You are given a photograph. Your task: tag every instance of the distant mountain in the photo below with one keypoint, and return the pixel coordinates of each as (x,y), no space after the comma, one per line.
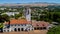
(30,4)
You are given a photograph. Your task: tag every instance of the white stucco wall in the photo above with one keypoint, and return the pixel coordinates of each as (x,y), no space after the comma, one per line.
(12,27)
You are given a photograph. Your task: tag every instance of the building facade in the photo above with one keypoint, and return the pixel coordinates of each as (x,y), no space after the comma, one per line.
(18,25)
(40,25)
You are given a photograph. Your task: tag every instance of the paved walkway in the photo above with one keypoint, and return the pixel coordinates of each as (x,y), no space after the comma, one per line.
(30,32)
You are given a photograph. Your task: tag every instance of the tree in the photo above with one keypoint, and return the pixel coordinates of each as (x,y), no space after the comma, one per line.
(17,16)
(54,30)
(2,19)
(11,16)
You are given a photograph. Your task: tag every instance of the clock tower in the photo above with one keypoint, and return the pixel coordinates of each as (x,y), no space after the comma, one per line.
(27,13)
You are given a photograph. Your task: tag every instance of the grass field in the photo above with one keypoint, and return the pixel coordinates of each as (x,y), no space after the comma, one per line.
(30,32)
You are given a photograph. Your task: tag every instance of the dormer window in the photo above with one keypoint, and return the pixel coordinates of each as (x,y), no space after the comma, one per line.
(37,25)
(43,25)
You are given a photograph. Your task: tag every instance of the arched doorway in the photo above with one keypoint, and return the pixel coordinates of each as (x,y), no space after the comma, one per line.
(15,29)
(44,27)
(41,28)
(1,30)
(36,28)
(26,29)
(18,29)
(22,29)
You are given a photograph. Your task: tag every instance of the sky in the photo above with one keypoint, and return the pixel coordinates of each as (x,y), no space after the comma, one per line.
(28,1)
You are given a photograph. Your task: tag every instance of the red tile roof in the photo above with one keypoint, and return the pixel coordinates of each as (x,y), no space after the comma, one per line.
(24,21)
(40,24)
(19,21)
